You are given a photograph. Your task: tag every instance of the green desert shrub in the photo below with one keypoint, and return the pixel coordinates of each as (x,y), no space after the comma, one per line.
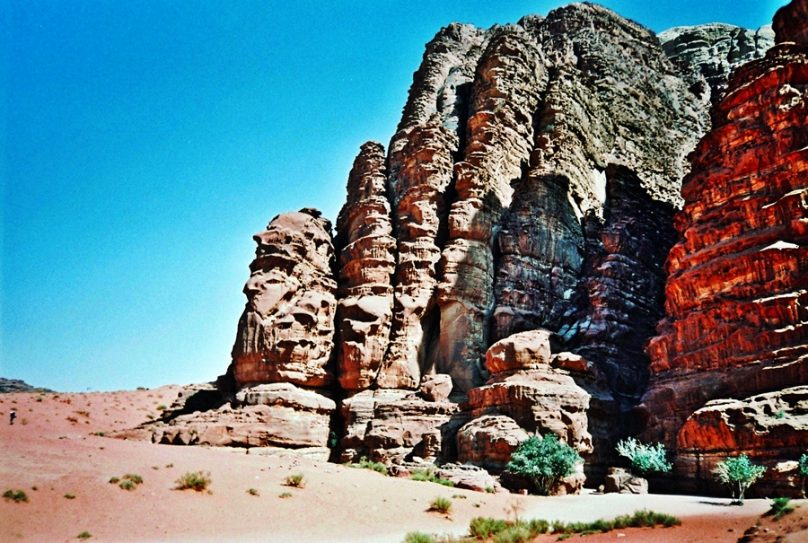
(429,476)
(484,529)
(644,458)
(364,463)
(16,496)
(780,507)
(739,473)
(441,505)
(418,537)
(295,480)
(545,461)
(803,466)
(285,495)
(70,496)
(252,491)
(84,535)
(195,480)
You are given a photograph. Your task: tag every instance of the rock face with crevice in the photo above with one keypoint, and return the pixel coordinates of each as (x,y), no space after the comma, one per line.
(366,265)
(736,320)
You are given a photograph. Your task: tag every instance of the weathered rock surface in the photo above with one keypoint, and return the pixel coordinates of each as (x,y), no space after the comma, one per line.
(791,23)
(270,415)
(736,321)
(737,294)
(286,333)
(489,441)
(420,181)
(771,428)
(366,266)
(709,53)
(391,426)
(540,398)
(623,482)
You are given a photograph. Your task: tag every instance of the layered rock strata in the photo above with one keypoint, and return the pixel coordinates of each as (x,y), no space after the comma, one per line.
(420,182)
(772,428)
(530,386)
(737,293)
(366,266)
(286,333)
(709,53)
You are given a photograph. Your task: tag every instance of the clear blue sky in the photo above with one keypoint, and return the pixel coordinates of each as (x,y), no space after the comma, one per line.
(145,142)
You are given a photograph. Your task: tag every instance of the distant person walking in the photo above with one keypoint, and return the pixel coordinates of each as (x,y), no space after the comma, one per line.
(12,416)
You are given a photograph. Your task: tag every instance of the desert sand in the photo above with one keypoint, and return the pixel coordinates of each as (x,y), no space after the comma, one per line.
(59,446)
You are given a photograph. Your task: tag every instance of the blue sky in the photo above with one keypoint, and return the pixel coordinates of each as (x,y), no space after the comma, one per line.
(144,142)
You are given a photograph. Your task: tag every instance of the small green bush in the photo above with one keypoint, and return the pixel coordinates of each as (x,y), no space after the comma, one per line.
(374,466)
(486,527)
(295,480)
(84,535)
(195,480)
(441,505)
(285,495)
(780,507)
(137,479)
(114,480)
(126,484)
(739,474)
(429,476)
(544,460)
(645,459)
(418,537)
(804,471)
(514,534)
(15,496)
(70,496)
(252,491)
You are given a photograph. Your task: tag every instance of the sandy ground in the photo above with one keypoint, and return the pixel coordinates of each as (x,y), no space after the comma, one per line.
(55,450)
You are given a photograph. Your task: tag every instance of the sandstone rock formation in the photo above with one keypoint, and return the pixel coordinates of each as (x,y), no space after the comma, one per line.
(271,415)
(500,270)
(286,333)
(526,389)
(770,427)
(396,425)
(366,265)
(709,53)
(736,320)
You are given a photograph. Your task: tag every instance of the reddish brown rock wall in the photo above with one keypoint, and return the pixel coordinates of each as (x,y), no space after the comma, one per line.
(366,265)
(286,333)
(737,291)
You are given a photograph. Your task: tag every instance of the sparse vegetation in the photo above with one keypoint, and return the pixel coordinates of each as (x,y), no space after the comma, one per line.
(502,531)
(70,496)
(161,407)
(803,467)
(137,479)
(114,480)
(429,476)
(285,495)
(369,464)
(84,535)
(252,492)
(780,507)
(418,537)
(739,474)
(545,461)
(295,480)
(645,458)
(441,505)
(195,480)
(16,496)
